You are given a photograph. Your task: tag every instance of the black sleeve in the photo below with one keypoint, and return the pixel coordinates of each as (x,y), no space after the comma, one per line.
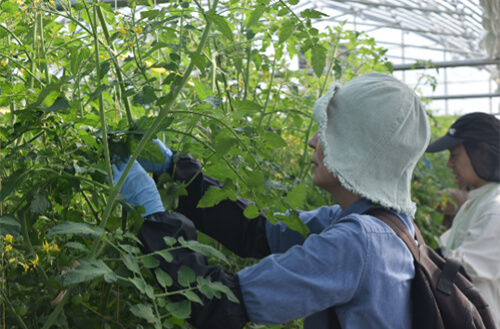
(215,313)
(225,221)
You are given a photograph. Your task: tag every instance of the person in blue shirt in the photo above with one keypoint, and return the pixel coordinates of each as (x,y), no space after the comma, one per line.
(352,270)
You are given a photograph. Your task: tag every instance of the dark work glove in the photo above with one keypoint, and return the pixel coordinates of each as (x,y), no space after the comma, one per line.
(215,313)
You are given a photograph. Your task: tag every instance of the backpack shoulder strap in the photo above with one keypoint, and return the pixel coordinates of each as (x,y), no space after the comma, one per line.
(400,229)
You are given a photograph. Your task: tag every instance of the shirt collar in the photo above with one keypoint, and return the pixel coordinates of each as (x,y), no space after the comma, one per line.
(478,192)
(360,206)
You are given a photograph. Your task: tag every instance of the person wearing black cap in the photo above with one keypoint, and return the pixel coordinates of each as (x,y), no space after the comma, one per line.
(474,145)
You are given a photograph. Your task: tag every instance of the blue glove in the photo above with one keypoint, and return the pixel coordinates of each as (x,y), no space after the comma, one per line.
(156,167)
(138,189)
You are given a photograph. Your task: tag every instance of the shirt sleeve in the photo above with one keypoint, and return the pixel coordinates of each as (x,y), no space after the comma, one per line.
(481,248)
(280,237)
(298,283)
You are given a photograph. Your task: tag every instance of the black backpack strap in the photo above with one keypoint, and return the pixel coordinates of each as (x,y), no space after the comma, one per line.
(450,271)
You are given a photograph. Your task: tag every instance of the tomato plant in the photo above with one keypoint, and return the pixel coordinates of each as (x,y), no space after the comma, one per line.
(82,84)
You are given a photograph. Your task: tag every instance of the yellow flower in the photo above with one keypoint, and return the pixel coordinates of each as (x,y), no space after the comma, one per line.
(12,260)
(20,2)
(8,247)
(131,43)
(240,82)
(158,69)
(117,13)
(9,238)
(4,62)
(52,2)
(55,248)
(45,246)
(35,262)
(121,30)
(26,267)
(278,175)
(138,29)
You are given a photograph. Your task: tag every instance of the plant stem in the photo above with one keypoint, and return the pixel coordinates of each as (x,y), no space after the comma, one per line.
(9,304)
(42,53)
(118,72)
(164,110)
(102,114)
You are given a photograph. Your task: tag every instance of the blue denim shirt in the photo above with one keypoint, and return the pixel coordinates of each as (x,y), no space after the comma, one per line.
(351,261)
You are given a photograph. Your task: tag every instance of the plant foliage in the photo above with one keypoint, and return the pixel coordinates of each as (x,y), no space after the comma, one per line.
(83,84)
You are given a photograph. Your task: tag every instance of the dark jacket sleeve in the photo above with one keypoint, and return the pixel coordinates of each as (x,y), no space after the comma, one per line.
(225,222)
(215,313)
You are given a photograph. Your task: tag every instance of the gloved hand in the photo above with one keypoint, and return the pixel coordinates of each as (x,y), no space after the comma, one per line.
(138,189)
(155,167)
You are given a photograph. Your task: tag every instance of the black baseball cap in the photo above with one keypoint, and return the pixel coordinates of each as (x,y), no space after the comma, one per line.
(472,127)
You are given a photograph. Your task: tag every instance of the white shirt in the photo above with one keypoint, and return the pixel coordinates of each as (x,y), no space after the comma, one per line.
(476,233)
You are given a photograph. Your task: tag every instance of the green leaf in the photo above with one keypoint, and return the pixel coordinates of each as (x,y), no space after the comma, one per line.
(294,222)
(201,90)
(252,211)
(60,104)
(131,263)
(143,286)
(99,90)
(293,2)
(311,13)
(169,241)
(274,140)
(143,311)
(12,182)
(150,14)
(164,279)
(156,46)
(180,310)
(318,60)
(215,102)
(150,261)
(185,276)
(256,14)
(9,225)
(105,66)
(39,202)
(220,24)
(165,254)
(77,229)
(88,270)
(203,249)
(45,92)
(286,30)
(77,246)
(297,197)
(9,7)
(246,105)
(198,60)
(145,96)
(106,6)
(223,144)
(213,289)
(215,195)
(190,295)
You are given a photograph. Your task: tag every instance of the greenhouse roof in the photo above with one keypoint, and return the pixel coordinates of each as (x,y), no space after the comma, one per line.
(456,25)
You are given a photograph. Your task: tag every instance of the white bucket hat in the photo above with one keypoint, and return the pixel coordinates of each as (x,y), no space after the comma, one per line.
(373,130)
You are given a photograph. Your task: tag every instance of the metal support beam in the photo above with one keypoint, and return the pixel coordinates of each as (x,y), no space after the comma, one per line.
(445,97)
(467,62)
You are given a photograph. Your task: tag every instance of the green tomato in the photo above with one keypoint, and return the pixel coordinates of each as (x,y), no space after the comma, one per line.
(21,310)
(77,299)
